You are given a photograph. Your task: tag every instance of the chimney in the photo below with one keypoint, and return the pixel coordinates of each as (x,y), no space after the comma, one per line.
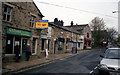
(62,22)
(71,23)
(55,20)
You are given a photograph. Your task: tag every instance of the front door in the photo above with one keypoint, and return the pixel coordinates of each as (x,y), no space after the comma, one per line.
(24,43)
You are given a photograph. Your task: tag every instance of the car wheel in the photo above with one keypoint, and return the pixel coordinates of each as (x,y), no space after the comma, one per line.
(103,73)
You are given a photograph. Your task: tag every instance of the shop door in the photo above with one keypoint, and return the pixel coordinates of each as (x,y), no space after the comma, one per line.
(49,46)
(24,43)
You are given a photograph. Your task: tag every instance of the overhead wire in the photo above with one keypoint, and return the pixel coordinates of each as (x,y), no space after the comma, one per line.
(77,9)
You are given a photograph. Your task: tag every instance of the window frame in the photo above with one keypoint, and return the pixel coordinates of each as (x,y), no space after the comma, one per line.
(32,21)
(7,13)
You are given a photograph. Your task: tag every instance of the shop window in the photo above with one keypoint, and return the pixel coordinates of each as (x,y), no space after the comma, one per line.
(32,21)
(7,13)
(69,45)
(9,44)
(17,41)
(34,46)
(60,45)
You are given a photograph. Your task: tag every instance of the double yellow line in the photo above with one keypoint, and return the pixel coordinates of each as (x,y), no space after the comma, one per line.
(41,64)
(35,67)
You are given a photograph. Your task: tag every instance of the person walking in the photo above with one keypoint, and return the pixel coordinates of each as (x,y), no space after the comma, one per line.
(17,52)
(28,52)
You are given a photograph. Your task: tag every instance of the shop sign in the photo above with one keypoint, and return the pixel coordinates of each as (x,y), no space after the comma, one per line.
(43,36)
(42,24)
(18,32)
(49,32)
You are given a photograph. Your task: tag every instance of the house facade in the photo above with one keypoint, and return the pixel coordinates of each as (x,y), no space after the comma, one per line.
(62,39)
(86,35)
(18,26)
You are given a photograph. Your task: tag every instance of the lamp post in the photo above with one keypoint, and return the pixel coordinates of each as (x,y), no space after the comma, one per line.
(118,18)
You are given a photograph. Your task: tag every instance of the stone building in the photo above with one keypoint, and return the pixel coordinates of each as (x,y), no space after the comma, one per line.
(18,26)
(62,39)
(86,35)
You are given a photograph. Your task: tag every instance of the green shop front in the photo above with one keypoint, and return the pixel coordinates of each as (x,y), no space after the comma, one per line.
(17,36)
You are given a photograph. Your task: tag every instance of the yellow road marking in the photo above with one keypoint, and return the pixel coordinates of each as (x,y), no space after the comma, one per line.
(44,64)
(34,67)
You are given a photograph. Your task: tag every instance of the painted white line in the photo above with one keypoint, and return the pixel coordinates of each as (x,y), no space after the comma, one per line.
(95,68)
(91,71)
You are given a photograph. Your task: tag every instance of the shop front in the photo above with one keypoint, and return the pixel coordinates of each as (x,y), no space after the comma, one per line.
(16,36)
(87,43)
(59,45)
(69,45)
(80,45)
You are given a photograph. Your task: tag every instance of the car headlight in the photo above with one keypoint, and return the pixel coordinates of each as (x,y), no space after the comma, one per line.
(103,66)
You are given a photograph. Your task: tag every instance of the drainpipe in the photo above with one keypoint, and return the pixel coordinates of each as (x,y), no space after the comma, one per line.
(0,38)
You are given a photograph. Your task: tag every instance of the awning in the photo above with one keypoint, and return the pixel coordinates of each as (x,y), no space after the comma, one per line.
(88,40)
(60,39)
(67,39)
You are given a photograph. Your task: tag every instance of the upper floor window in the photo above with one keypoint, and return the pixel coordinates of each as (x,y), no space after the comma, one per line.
(7,13)
(32,21)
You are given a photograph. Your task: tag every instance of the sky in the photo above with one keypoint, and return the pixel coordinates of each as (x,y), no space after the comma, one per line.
(80,11)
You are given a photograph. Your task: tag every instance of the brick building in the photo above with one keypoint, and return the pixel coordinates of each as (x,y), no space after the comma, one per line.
(87,35)
(18,26)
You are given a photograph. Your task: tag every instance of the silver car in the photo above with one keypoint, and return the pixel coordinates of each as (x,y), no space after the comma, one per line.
(110,64)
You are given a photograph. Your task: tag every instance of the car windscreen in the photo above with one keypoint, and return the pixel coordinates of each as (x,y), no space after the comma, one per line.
(112,54)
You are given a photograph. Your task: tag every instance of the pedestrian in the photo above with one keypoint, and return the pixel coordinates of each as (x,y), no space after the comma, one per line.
(28,52)
(17,52)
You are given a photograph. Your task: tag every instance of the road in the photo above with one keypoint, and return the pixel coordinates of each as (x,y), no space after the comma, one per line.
(82,64)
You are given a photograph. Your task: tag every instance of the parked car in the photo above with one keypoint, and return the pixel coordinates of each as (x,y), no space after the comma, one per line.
(110,64)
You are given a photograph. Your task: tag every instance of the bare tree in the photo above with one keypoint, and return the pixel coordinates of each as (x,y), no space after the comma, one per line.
(111,32)
(97,24)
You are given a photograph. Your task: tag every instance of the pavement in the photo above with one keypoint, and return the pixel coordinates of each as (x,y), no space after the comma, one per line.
(14,66)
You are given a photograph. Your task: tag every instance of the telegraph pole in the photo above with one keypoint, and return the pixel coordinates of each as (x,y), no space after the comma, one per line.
(0,37)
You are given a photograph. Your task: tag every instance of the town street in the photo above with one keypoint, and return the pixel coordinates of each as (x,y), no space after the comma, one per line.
(81,64)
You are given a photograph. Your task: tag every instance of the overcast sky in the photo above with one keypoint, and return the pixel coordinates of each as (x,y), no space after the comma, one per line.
(79,11)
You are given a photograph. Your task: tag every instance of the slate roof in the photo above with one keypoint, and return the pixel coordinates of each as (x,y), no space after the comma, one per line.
(77,25)
(65,28)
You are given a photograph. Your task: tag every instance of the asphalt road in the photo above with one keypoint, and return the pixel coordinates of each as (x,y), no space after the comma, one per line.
(82,64)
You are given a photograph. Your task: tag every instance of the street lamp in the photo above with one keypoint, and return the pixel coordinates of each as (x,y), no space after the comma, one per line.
(115,11)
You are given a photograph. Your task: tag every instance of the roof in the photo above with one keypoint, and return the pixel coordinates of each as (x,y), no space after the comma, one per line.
(38,10)
(76,25)
(64,28)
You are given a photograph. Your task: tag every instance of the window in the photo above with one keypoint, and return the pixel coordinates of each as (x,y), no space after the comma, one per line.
(7,13)
(32,21)
(60,45)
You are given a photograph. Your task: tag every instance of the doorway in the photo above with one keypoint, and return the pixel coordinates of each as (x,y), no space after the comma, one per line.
(24,43)
(34,46)
(49,46)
